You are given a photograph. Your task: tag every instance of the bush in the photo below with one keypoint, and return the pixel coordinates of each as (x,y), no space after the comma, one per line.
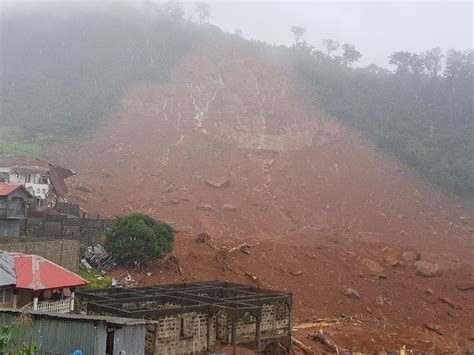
(137,238)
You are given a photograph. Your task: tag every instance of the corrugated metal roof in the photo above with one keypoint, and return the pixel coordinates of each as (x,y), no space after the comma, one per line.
(24,160)
(37,273)
(81,317)
(7,270)
(7,188)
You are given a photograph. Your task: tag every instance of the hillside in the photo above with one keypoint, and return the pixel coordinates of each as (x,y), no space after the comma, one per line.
(229,147)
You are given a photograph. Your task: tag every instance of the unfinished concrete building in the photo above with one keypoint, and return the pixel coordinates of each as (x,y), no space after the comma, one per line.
(200,317)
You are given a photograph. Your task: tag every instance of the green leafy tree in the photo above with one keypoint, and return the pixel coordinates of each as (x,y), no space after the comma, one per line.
(459,64)
(138,237)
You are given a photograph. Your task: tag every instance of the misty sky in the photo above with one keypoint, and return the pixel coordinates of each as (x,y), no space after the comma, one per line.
(376,28)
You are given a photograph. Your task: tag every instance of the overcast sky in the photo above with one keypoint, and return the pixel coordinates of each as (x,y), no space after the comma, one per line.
(376,28)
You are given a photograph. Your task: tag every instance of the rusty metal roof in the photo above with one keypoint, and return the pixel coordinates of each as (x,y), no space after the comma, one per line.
(7,270)
(24,160)
(81,317)
(7,188)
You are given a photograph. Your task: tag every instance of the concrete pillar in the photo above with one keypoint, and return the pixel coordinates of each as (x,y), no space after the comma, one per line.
(257,328)
(234,338)
(71,304)
(35,303)
(209,320)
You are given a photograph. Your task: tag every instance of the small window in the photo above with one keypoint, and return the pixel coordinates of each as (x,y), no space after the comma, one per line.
(44,191)
(187,327)
(6,295)
(38,191)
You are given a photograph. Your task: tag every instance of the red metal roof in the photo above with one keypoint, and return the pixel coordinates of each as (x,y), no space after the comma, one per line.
(6,189)
(37,273)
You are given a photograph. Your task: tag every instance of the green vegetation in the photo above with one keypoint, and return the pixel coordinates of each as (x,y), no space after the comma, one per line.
(64,68)
(13,337)
(95,278)
(424,118)
(137,238)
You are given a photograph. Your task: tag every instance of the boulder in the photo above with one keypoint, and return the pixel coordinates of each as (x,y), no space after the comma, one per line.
(373,266)
(427,269)
(351,293)
(411,256)
(207,208)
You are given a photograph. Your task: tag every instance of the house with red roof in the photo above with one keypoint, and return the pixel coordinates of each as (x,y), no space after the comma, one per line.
(33,282)
(14,200)
(45,181)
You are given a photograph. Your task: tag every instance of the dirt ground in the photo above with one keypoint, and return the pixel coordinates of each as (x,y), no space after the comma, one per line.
(229,147)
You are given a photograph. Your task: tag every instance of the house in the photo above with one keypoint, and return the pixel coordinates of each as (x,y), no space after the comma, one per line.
(14,200)
(59,333)
(33,282)
(200,317)
(42,179)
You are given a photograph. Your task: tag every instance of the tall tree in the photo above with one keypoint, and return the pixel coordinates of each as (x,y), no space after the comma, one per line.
(174,9)
(350,55)
(459,64)
(330,46)
(432,61)
(298,32)
(203,12)
(401,60)
(416,63)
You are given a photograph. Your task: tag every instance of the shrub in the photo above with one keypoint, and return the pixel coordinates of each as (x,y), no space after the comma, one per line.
(137,238)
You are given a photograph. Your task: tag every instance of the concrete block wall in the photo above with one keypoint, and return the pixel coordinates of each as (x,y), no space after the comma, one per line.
(275,318)
(87,231)
(181,334)
(61,252)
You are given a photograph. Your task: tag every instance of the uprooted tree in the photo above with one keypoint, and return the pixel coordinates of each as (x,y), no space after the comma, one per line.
(137,238)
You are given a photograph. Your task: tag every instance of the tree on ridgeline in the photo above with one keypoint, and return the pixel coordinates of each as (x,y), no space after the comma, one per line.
(203,12)
(350,55)
(432,61)
(330,46)
(298,32)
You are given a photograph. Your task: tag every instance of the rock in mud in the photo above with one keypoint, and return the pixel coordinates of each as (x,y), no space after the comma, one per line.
(379,301)
(373,266)
(228,207)
(207,208)
(217,182)
(351,293)
(427,269)
(465,286)
(411,256)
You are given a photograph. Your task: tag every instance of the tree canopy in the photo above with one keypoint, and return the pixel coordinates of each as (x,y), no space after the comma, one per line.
(137,237)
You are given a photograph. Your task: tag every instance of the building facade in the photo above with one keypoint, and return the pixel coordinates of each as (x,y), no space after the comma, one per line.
(14,201)
(42,179)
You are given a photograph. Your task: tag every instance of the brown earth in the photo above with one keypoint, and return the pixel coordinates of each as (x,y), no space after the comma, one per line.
(229,147)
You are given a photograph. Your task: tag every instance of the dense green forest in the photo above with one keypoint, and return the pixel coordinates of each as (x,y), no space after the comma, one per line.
(422,111)
(63,69)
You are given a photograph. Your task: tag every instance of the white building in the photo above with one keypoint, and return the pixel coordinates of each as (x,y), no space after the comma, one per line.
(42,179)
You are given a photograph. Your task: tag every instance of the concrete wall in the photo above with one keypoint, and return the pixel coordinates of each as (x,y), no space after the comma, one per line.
(62,252)
(9,228)
(87,231)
